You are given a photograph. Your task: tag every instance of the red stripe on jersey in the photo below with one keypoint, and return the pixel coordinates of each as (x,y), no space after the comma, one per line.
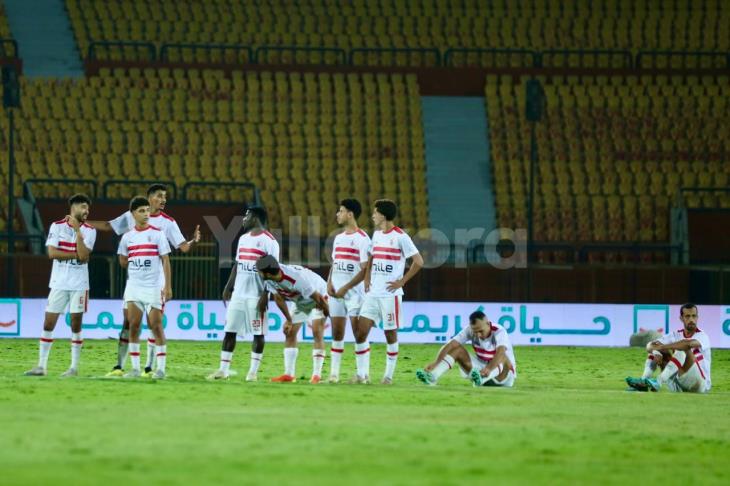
(248,257)
(394,228)
(702,373)
(397,314)
(363,351)
(286,293)
(362,232)
(60,221)
(143,253)
(347,257)
(255,251)
(66,251)
(287,278)
(163,214)
(142,247)
(347,250)
(269,235)
(66,243)
(676,362)
(386,257)
(387,249)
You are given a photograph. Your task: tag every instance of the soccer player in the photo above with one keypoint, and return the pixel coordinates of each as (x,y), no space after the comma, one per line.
(69,243)
(307,293)
(683,356)
(157,197)
(493,364)
(244,289)
(344,285)
(384,281)
(144,252)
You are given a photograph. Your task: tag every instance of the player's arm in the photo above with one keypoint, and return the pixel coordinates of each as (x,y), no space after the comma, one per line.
(100,225)
(321,303)
(368,270)
(416,265)
(228,289)
(187,245)
(168,276)
(500,356)
(330,287)
(56,254)
(263,305)
(352,283)
(445,349)
(82,252)
(123,261)
(281,304)
(683,345)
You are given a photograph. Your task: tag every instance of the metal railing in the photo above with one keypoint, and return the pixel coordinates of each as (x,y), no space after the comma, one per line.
(211,53)
(324,56)
(382,56)
(683,59)
(521,58)
(189,187)
(122,51)
(586,58)
(140,185)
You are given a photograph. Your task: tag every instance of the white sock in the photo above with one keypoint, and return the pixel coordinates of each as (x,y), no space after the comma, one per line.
(45,348)
(443,366)
(649,367)
(391,360)
(134,355)
(317,361)
(150,352)
(226,359)
(123,348)
(290,361)
(338,347)
(362,359)
(161,353)
(255,363)
(672,368)
(76,343)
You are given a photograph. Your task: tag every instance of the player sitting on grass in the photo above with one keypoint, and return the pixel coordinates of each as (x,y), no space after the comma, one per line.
(493,365)
(307,293)
(683,356)
(69,243)
(143,251)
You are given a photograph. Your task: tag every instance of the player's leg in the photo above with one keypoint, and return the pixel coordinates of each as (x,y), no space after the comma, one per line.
(494,372)
(234,323)
(123,346)
(291,351)
(58,300)
(76,343)
(154,321)
(259,327)
(369,313)
(456,355)
(317,350)
(135,311)
(391,322)
(339,320)
(690,376)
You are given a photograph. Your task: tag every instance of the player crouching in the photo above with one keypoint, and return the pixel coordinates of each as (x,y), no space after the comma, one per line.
(493,364)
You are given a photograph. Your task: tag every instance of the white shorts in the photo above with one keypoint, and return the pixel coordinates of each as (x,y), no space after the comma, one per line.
(479,365)
(145,298)
(345,307)
(300,315)
(383,309)
(77,301)
(124,302)
(242,317)
(692,381)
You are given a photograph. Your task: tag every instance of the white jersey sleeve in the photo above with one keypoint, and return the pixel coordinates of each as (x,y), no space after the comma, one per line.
(174,235)
(407,246)
(464,336)
(123,223)
(53,236)
(90,238)
(123,246)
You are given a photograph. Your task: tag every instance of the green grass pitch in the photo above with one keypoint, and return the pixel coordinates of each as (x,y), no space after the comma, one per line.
(568,420)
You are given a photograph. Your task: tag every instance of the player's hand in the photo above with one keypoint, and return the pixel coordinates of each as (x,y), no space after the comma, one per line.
(227,293)
(331,290)
(168,294)
(340,294)
(394,285)
(288,326)
(367,286)
(196,234)
(484,371)
(429,367)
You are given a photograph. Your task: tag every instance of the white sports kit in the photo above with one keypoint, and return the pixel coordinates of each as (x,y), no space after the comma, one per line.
(485,349)
(297,286)
(144,249)
(349,252)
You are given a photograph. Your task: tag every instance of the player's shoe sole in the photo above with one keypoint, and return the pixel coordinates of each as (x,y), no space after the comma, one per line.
(284,379)
(425,377)
(37,371)
(115,373)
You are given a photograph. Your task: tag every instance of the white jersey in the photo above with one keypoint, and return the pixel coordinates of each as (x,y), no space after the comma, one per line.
(144,248)
(248,284)
(389,249)
(485,349)
(297,285)
(703,354)
(69,274)
(349,251)
(161,221)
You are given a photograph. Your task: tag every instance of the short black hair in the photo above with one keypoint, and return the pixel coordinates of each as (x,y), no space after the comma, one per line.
(156,187)
(268,265)
(137,202)
(260,213)
(387,208)
(79,198)
(475,316)
(352,205)
(688,305)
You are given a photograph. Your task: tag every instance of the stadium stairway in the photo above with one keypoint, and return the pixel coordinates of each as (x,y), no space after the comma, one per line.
(43,31)
(457,163)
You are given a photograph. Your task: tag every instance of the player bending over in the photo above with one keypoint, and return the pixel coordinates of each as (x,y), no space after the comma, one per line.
(683,358)
(143,251)
(307,294)
(69,243)
(493,363)
(244,290)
